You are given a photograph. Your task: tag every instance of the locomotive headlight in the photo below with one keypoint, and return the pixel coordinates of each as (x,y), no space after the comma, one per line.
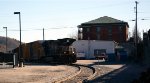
(73,52)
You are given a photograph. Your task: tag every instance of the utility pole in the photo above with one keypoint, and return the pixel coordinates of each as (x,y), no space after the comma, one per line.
(21,62)
(136,36)
(6,38)
(43,34)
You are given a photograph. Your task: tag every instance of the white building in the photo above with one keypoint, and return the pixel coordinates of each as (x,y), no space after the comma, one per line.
(88,48)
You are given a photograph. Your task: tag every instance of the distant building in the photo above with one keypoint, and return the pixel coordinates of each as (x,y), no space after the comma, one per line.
(104,28)
(89,48)
(146,38)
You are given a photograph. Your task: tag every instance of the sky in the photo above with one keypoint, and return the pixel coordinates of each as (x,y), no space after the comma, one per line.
(60,18)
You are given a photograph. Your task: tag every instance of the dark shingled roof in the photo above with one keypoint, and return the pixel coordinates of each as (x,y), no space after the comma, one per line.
(103,20)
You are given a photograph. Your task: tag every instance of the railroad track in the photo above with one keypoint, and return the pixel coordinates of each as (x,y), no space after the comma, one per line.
(85,73)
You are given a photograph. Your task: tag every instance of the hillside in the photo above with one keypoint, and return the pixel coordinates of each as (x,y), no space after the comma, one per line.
(11,43)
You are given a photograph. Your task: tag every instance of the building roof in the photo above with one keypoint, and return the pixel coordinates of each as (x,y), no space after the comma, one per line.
(104,20)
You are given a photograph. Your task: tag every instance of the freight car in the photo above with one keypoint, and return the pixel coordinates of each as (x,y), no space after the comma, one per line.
(49,51)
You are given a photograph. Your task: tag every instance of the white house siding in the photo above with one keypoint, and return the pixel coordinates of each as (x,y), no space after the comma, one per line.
(88,46)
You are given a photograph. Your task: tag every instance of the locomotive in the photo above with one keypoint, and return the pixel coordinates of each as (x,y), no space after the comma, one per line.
(49,51)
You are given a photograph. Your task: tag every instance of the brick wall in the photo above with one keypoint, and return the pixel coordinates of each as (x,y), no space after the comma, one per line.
(107,32)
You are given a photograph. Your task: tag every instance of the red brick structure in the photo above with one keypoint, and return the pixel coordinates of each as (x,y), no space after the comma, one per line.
(104,28)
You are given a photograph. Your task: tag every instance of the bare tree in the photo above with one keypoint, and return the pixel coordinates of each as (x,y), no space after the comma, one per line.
(74,35)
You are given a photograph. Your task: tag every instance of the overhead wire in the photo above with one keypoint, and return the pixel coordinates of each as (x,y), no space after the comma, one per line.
(29,29)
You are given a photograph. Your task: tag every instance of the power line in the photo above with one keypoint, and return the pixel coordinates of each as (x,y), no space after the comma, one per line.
(29,29)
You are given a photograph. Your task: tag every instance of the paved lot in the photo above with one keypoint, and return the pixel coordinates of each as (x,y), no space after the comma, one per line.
(114,72)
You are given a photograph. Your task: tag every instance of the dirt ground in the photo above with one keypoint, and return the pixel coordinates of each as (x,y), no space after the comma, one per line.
(37,74)
(49,74)
(42,73)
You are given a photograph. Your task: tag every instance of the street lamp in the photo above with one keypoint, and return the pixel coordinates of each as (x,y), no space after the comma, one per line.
(20,50)
(43,35)
(6,37)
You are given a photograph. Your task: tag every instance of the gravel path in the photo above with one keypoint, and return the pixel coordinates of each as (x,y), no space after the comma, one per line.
(36,74)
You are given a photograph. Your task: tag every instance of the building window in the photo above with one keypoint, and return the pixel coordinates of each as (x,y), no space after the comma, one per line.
(121,33)
(120,28)
(80,36)
(110,37)
(98,36)
(88,29)
(80,33)
(110,33)
(110,30)
(98,29)
(121,37)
